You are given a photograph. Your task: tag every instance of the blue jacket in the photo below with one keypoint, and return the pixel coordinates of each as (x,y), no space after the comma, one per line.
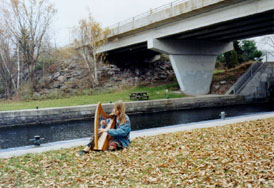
(121,132)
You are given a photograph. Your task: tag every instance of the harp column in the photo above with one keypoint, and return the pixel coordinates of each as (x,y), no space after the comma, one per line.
(193,61)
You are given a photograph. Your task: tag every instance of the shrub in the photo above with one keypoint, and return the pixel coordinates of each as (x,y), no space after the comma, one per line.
(26,91)
(233,59)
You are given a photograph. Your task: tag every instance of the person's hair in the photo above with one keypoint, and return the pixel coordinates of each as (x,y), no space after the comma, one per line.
(122,109)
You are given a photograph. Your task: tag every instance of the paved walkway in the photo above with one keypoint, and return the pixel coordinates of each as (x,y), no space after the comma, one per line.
(6,153)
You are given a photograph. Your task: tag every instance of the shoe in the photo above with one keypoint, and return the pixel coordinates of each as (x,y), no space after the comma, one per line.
(112,146)
(81,153)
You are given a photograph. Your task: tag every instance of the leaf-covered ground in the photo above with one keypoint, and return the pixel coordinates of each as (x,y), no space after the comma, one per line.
(237,155)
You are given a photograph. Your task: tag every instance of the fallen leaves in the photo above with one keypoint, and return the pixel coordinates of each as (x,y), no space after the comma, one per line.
(229,156)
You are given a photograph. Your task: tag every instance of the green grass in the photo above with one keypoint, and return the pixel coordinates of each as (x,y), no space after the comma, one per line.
(158,92)
(217,71)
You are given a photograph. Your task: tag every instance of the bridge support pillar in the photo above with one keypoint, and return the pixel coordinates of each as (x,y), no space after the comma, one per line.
(193,61)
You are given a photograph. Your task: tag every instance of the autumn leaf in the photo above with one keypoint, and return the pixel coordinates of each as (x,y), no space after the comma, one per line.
(236,155)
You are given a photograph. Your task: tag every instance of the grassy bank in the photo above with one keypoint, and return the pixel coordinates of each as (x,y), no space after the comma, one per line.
(237,155)
(157,92)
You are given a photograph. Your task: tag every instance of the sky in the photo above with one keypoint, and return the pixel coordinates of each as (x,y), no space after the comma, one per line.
(106,12)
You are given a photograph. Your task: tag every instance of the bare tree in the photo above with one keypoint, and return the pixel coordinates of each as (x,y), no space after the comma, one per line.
(268,40)
(7,71)
(28,22)
(89,36)
(268,46)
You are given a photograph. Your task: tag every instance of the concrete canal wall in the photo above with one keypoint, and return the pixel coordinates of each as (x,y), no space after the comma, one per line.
(52,115)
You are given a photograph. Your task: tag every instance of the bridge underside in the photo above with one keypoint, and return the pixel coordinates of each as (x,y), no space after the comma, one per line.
(237,29)
(135,55)
(193,53)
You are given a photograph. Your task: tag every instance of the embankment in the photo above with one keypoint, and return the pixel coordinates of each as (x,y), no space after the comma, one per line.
(52,115)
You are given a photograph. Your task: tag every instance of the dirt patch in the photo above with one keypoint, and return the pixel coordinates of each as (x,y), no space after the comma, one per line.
(222,81)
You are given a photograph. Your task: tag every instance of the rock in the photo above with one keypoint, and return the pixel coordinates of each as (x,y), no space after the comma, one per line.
(111,73)
(177,92)
(49,77)
(108,85)
(137,72)
(117,79)
(157,69)
(61,78)
(36,94)
(56,85)
(222,82)
(155,58)
(72,74)
(171,77)
(69,78)
(73,66)
(74,86)
(63,87)
(162,76)
(46,91)
(56,75)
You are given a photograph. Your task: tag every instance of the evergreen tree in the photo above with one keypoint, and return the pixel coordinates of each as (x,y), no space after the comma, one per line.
(233,59)
(244,51)
(239,51)
(250,51)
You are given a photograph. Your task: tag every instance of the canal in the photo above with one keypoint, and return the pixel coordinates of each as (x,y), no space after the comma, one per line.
(20,135)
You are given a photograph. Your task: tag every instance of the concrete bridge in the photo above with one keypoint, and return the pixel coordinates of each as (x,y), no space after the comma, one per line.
(192,33)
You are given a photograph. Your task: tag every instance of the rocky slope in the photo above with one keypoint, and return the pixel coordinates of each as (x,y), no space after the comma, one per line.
(71,76)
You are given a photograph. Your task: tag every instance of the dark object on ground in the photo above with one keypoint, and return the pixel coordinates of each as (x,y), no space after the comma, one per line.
(139,95)
(37,140)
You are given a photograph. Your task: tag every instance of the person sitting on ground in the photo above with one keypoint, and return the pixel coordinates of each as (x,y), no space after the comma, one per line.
(119,135)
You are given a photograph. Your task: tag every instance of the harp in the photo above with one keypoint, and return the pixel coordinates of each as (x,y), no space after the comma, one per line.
(101,143)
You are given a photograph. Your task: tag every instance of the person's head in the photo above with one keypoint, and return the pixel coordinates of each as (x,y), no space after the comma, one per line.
(120,111)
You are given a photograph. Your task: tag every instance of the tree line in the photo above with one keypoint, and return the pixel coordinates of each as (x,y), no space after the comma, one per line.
(25,44)
(23,38)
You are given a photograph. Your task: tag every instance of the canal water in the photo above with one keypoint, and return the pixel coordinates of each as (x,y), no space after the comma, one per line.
(21,135)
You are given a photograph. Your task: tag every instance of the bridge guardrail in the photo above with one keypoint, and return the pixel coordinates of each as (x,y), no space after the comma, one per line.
(145,14)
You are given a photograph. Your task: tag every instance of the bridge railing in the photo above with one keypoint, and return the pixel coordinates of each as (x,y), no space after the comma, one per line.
(145,14)
(247,76)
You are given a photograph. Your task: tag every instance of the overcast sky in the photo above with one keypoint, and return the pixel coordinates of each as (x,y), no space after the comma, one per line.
(106,12)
